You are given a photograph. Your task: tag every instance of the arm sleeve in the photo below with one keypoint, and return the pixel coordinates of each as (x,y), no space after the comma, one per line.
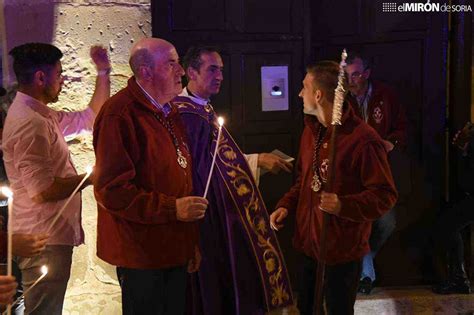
(252,160)
(290,199)
(115,188)
(379,195)
(72,124)
(32,157)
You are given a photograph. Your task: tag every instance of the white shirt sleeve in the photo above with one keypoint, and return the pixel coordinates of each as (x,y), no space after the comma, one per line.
(252,160)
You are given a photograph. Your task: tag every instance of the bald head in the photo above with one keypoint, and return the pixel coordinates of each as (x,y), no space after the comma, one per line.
(155,64)
(145,52)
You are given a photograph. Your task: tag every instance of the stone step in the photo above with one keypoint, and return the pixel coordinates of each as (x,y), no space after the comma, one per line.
(412,300)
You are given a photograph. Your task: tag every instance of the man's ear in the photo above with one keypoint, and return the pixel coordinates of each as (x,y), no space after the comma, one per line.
(367,74)
(145,72)
(39,78)
(318,96)
(191,73)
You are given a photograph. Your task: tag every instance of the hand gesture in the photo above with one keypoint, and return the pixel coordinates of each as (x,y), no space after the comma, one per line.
(388,145)
(28,245)
(330,203)
(277,217)
(195,262)
(7,289)
(462,137)
(274,163)
(191,208)
(100,58)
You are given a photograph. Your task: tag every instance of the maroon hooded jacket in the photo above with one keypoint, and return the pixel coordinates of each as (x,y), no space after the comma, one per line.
(363,183)
(385,114)
(137,181)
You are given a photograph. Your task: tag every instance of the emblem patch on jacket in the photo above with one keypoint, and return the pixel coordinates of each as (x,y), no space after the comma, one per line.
(378,115)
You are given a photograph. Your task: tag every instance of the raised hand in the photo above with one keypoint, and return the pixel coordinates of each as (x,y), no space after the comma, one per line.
(100,58)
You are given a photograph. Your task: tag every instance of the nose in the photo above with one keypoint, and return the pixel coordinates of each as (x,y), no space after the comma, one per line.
(301,94)
(219,76)
(180,70)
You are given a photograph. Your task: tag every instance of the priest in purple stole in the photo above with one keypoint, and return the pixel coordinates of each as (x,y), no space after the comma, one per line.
(242,269)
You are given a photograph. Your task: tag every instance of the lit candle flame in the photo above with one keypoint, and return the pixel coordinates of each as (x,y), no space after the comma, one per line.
(220,120)
(89,169)
(44,270)
(6,191)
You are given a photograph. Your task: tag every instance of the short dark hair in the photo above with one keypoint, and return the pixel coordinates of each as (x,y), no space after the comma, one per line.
(325,75)
(31,57)
(192,58)
(366,61)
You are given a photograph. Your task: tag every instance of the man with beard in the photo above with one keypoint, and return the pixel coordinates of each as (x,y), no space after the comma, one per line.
(363,190)
(377,104)
(243,269)
(40,169)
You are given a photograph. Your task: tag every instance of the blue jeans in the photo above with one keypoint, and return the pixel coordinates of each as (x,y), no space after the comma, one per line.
(382,228)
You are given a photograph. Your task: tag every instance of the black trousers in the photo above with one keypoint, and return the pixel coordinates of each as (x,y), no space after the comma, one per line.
(340,286)
(447,232)
(153,292)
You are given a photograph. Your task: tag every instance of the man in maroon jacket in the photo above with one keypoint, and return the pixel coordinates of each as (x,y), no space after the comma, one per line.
(147,219)
(377,104)
(364,191)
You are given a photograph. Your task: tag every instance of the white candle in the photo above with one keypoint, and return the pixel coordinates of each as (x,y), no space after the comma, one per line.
(44,271)
(8,193)
(88,173)
(220,120)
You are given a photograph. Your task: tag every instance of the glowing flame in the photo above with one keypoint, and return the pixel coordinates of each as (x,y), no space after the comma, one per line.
(44,270)
(89,169)
(6,191)
(220,120)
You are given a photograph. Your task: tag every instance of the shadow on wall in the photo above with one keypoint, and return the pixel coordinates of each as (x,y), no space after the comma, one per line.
(28,21)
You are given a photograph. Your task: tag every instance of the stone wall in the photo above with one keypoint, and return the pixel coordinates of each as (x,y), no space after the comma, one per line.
(74,26)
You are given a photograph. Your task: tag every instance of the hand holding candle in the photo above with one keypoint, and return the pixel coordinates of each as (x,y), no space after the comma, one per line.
(88,173)
(220,120)
(9,194)
(44,272)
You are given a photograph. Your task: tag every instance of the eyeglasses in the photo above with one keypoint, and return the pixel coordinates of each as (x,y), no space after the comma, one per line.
(356,75)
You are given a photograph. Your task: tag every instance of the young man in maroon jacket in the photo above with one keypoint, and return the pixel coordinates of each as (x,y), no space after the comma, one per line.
(377,104)
(364,191)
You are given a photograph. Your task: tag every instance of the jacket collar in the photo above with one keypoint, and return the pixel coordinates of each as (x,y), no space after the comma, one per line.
(347,115)
(196,99)
(141,98)
(33,103)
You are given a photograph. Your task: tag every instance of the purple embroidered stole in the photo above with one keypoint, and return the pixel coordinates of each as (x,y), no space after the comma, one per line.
(232,167)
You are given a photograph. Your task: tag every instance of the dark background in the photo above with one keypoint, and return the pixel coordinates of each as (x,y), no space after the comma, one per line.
(425,56)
